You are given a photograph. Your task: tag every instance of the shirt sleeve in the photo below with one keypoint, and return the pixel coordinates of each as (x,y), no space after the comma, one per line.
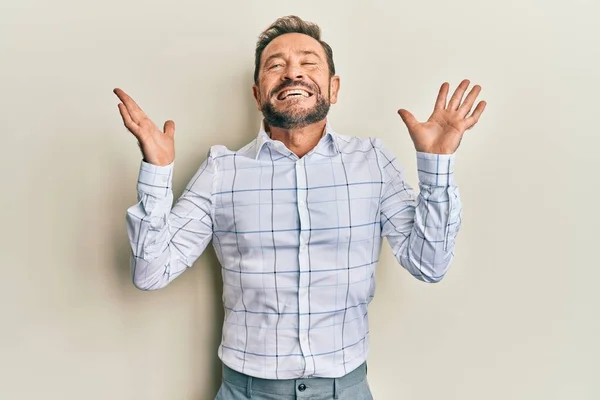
(421,228)
(165,240)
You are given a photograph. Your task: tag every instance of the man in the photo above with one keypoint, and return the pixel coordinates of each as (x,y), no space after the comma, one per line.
(297,218)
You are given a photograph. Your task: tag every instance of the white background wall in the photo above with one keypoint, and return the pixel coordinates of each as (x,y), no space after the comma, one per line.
(517,317)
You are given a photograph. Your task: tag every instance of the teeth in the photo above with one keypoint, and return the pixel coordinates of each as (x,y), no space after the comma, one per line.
(294,92)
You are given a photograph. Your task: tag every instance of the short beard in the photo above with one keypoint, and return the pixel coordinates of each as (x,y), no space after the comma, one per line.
(288,120)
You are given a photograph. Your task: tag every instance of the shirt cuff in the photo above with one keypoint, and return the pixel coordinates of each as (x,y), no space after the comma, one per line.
(155,180)
(435,169)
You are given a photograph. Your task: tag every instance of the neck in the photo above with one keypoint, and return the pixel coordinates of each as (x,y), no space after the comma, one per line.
(299,141)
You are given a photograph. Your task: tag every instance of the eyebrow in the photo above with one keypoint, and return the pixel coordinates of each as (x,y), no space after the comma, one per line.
(280,55)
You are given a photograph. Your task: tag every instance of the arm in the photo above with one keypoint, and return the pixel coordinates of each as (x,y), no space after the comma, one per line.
(421,229)
(166,241)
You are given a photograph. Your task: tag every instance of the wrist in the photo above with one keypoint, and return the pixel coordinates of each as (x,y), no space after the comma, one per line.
(158,163)
(435,169)
(434,150)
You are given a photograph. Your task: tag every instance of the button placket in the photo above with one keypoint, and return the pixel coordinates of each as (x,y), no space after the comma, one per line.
(303,304)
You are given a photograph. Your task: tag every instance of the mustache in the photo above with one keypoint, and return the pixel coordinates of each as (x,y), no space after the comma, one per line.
(287,84)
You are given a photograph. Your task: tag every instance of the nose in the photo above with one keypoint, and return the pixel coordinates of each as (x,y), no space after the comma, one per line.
(293,72)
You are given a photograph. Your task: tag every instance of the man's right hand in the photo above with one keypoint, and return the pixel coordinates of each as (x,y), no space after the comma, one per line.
(158,147)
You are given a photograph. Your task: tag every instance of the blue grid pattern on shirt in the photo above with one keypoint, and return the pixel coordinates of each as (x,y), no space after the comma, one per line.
(298,241)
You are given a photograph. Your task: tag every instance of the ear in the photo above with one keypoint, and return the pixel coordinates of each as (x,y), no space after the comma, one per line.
(256,93)
(334,88)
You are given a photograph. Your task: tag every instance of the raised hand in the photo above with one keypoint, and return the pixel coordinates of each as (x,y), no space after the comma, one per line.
(443,131)
(158,147)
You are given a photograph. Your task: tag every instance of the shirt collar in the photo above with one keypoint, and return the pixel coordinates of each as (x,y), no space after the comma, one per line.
(263,138)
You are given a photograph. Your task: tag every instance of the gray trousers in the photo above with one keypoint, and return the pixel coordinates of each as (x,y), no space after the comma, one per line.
(352,386)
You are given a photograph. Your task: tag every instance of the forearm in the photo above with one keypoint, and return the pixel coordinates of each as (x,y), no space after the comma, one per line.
(149,235)
(164,240)
(427,249)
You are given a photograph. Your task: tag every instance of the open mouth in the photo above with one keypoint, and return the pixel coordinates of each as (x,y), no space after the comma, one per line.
(293,94)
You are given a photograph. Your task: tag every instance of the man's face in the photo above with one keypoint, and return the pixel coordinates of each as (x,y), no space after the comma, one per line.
(294,88)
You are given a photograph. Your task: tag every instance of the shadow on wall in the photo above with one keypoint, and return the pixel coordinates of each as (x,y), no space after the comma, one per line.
(209,263)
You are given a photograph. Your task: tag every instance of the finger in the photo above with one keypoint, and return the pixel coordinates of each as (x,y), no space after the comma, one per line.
(458,94)
(440,102)
(472,120)
(134,110)
(466,106)
(169,128)
(129,123)
(408,118)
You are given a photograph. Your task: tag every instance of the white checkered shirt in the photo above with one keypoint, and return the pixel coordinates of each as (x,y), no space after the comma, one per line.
(298,240)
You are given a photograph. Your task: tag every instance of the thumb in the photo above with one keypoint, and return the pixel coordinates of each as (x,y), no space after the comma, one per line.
(407,117)
(169,128)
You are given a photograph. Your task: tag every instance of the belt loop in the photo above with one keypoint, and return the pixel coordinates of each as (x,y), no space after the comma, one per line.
(249,387)
(336,395)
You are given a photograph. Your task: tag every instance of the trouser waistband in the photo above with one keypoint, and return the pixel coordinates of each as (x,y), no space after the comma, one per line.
(302,386)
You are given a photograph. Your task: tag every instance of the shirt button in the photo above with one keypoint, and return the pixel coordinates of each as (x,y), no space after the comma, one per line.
(302,387)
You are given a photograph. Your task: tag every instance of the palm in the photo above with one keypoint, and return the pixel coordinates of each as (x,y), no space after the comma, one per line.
(443,131)
(155,142)
(158,147)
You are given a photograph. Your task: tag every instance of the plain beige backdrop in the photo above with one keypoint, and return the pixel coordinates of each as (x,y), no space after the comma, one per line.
(517,316)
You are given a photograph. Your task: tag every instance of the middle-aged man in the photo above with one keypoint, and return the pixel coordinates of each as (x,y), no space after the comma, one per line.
(297,218)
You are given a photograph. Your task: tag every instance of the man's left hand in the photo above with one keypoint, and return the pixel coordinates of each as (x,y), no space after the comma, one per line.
(443,131)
